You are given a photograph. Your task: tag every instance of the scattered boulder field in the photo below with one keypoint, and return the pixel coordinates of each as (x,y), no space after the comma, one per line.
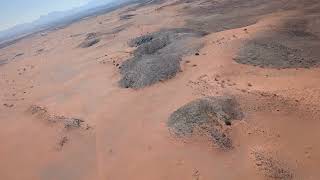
(207,116)
(90,40)
(271,167)
(157,56)
(292,45)
(67,122)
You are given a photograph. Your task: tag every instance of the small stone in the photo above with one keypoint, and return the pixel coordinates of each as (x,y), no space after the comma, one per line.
(228,123)
(63,141)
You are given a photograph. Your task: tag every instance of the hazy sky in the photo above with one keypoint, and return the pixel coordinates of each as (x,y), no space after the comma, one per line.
(14,12)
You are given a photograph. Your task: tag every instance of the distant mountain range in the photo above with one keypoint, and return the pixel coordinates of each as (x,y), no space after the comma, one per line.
(59,18)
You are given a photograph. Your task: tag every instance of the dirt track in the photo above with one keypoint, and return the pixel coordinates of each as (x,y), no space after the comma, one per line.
(262,53)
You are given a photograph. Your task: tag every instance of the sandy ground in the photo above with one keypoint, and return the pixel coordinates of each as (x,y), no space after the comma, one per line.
(127,136)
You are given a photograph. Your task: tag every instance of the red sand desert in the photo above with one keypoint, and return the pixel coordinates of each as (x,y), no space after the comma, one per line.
(65,117)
